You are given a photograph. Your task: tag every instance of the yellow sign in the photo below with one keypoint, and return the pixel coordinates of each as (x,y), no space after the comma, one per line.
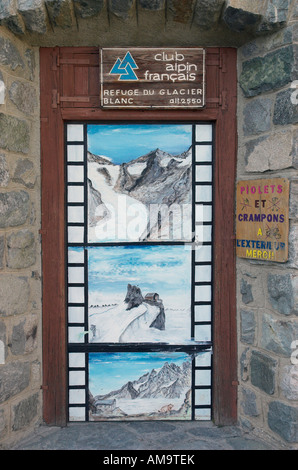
(262,219)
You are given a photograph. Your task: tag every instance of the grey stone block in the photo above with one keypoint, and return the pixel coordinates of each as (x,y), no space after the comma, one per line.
(14,134)
(283,420)
(280,292)
(18,339)
(23,95)
(24,173)
(14,378)
(181,12)
(152,4)
(268,73)
(4,171)
(263,372)
(34,15)
(248,326)
(9,54)
(14,295)
(30,58)
(3,336)
(10,17)
(244,364)
(277,335)
(249,403)
(120,8)
(257,116)
(245,290)
(274,152)
(88,8)
(59,12)
(2,90)
(240,20)
(295,149)
(275,17)
(207,13)
(21,251)
(2,251)
(289,382)
(14,208)
(285,110)
(25,412)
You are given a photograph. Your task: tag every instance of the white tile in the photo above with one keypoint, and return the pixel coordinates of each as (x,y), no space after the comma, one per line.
(76,396)
(76,314)
(75,173)
(203,359)
(75,132)
(203,333)
(76,295)
(75,194)
(76,275)
(203,233)
(203,213)
(203,414)
(76,334)
(76,255)
(75,234)
(76,413)
(203,253)
(203,193)
(203,153)
(202,397)
(204,132)
(75,153)
(203,377)
(203,173)
(76,377)
(76,360)
(203,273)
(202,293)
(202,312)
(75,214)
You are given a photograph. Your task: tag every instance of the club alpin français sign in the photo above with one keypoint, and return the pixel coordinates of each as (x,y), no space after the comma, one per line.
(152,78)
(262,219)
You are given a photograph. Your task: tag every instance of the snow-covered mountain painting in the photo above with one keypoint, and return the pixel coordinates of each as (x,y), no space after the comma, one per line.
(139,294)
(139,182)
(143,386)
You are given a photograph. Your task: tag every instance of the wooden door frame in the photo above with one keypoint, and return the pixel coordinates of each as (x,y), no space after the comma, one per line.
(54,334)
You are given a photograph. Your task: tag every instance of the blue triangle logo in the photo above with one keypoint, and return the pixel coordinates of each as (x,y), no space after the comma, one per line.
(125,68)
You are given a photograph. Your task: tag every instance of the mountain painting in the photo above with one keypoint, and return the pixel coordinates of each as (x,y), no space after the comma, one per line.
(142,386)
(139,294)
(139,182)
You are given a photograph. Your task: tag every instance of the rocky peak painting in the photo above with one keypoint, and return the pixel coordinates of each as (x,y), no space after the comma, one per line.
(139,386)
(140,182)
(120,281)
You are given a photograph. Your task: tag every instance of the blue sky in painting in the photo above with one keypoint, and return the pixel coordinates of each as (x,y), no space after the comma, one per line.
(123,143)
(110,371)
(162,269)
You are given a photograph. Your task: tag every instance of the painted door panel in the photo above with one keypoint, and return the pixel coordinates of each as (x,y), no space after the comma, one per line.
(139,220)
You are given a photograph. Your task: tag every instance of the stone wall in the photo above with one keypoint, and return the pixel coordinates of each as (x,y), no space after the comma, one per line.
(266,34)
(267,292)
(20,264)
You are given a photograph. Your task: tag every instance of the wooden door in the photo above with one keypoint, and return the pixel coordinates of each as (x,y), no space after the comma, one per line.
(70,95)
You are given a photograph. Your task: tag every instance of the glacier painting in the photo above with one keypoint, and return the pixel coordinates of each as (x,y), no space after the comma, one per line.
(139,182)
(139,386)
(121,304)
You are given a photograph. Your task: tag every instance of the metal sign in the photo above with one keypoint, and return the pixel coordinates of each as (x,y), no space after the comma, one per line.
(153,78)
(262,219)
